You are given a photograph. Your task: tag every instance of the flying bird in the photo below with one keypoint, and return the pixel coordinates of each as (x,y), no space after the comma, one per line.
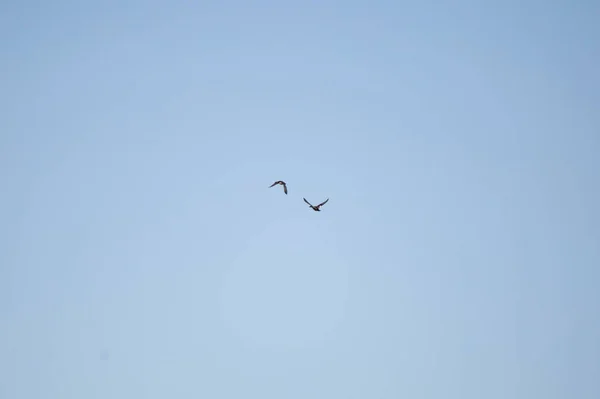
(316,208)
(282,183)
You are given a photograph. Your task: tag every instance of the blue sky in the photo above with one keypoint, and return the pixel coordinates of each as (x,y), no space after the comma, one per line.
(144,256)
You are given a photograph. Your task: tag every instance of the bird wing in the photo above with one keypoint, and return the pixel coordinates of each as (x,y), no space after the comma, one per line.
(323,203)
(285,188)
(307,201)
(272,184)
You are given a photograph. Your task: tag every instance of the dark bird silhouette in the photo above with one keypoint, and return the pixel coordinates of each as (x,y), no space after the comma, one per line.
(282,183)
(316,208)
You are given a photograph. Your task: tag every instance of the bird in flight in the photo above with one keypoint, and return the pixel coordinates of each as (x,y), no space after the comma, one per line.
(316,208)
(282,183)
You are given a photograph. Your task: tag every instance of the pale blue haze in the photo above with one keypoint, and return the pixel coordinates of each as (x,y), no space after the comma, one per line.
(142,254)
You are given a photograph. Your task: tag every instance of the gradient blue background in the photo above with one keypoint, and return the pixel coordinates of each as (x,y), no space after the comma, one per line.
(144,256)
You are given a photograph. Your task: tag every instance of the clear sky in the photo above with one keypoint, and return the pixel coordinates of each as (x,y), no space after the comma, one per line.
(142,254)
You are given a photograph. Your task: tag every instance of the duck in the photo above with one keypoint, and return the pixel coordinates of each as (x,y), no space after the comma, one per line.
(316,208)
(282,183)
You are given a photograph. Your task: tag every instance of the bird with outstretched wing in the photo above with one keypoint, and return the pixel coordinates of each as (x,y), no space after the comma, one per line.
(316,207)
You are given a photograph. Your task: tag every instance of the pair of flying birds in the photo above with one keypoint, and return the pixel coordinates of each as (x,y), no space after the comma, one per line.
(314,207)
